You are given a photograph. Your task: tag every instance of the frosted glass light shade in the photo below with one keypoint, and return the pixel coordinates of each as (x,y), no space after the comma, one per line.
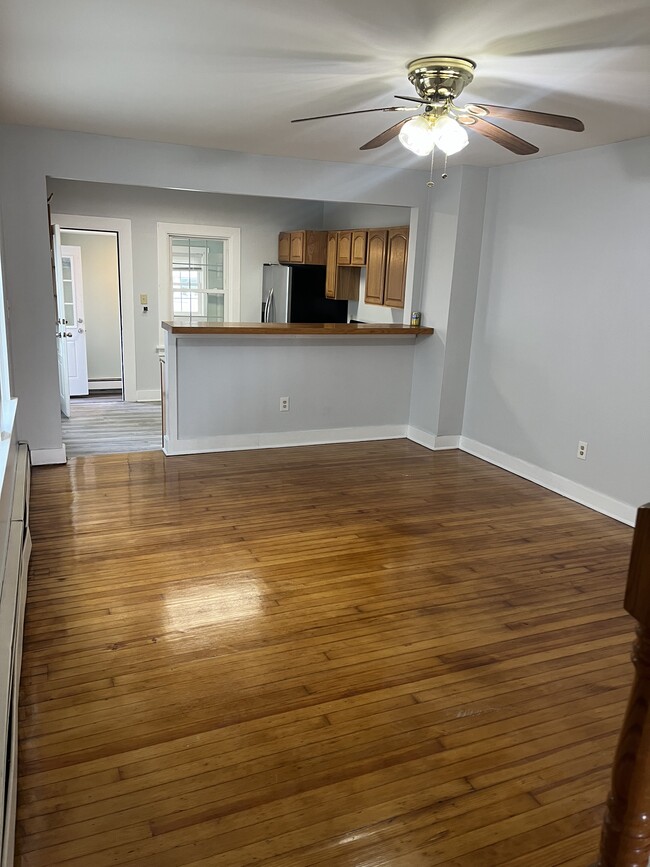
(449,135)
(417,136)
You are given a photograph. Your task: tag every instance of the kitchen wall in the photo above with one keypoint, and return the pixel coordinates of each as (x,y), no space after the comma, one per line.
(260,220)
(560,348)
(101,301)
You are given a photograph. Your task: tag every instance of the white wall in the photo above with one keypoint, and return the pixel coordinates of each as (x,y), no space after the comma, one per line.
(347,215)
(101,303)
(340,388)
(453,232)
(561,346)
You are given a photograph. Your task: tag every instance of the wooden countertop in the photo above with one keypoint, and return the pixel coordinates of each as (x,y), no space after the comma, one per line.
(296,328)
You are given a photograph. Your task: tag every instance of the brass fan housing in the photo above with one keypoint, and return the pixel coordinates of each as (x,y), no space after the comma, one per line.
(440,80)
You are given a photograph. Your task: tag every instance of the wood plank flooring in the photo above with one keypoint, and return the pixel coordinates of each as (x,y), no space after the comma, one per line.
(363,654)
(105,424)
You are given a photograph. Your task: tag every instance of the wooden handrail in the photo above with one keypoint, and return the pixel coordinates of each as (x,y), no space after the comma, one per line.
(625,839)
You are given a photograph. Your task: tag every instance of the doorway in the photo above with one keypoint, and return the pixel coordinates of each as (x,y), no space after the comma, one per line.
(91,294)
(121,229)
(108,418)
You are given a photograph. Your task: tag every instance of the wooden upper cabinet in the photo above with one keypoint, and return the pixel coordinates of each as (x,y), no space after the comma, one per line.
(314,247)
(352,247)
(396,256)
(297,250)
(305,247)
(358,255)
(344,256)
(376,266)
(330,273)
(284,246)
(341,281)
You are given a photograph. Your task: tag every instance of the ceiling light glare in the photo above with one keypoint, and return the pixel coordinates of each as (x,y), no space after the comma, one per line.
(449,135)
(417,136)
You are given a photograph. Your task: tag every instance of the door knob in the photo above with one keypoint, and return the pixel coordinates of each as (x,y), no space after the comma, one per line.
(68,334)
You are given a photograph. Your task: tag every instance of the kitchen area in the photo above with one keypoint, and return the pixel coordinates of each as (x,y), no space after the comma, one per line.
(308,372)
(320,272)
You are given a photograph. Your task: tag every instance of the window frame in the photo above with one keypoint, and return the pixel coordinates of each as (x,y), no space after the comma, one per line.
(232,268)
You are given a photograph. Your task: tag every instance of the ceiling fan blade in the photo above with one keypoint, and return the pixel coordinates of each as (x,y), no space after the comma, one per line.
(384,136)
(500,136)
(414,99)
(559,121)
(361,111)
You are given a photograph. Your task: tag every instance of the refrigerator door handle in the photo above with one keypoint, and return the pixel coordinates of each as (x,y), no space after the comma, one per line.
(270,311)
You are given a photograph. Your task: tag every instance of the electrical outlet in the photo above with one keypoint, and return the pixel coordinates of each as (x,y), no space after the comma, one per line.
(284,404)
(144,299)
(582,450)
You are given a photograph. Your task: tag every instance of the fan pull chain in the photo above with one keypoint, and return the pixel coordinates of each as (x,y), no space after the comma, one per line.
(444,174)
(431,182)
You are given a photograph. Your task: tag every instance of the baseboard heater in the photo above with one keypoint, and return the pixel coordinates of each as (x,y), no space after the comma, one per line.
(12,612)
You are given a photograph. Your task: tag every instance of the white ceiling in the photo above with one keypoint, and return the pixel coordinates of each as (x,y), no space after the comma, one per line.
(232,73)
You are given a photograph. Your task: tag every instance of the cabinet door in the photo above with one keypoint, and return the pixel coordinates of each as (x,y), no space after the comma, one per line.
(397,250)
(347,283)
(284,247)
(330,273)
(376,266)
(345,248)
(297,254)
(314,250)
(358,256)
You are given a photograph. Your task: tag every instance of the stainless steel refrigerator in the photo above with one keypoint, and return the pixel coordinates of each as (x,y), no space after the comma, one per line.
(297,294)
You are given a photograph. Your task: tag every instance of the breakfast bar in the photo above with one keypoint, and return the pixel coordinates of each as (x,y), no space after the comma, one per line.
(262,385)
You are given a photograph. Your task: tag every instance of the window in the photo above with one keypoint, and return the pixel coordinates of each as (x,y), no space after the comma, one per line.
(198,288)
(198,273)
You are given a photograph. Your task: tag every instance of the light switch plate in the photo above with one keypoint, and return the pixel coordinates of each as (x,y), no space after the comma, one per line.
(144,299)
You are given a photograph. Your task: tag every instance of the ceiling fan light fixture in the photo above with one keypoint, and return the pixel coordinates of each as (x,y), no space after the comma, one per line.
(449,135)
(417,135)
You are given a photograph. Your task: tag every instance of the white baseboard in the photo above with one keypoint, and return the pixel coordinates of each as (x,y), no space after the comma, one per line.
(430,441)
(238,442)
(147,394)
(104,384)
(41,457)
(602,503)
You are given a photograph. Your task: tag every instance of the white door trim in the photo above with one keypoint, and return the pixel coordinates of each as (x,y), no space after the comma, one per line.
(61,350)
(70,222)
(233,265)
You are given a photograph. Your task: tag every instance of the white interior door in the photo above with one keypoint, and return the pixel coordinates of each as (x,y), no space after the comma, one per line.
(63,328)
(75,333)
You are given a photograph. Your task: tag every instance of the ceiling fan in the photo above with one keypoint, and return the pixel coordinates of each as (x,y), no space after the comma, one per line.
(441,123)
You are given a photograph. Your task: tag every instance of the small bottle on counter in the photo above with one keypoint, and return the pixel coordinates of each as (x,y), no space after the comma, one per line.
(416,318)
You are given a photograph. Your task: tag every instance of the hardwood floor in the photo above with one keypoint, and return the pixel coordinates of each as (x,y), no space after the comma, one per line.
(362,654)
(105,424)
